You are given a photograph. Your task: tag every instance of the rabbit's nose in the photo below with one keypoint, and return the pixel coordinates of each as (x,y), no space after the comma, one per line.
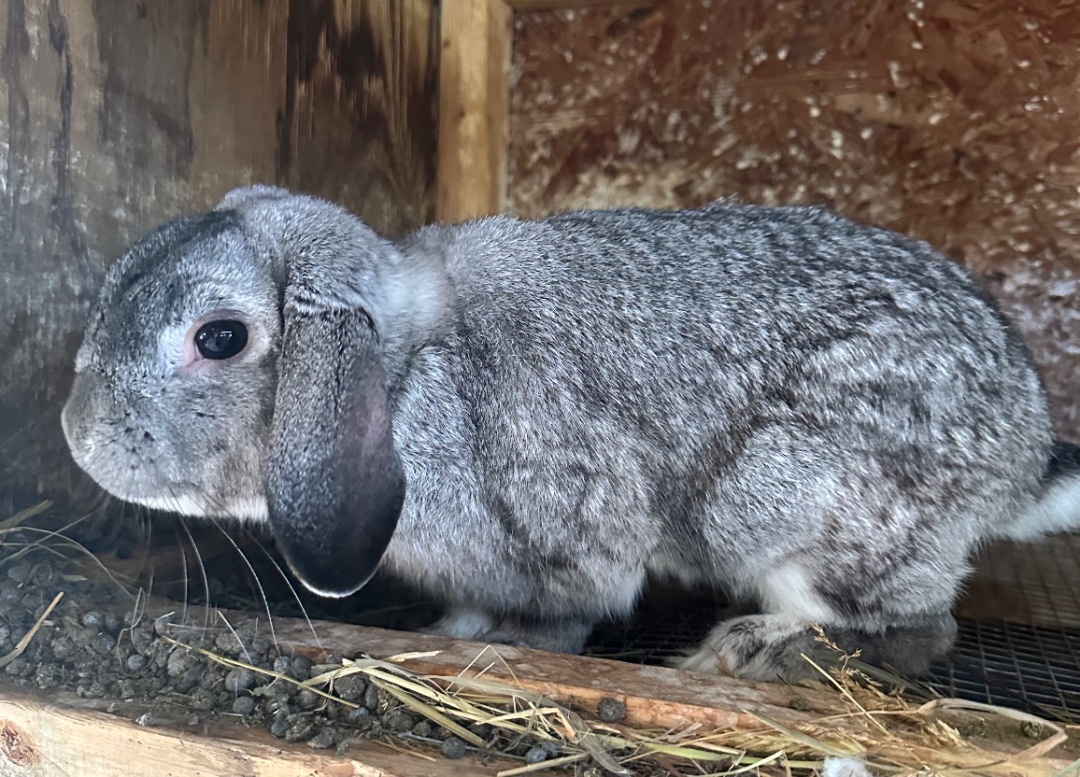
(73,416)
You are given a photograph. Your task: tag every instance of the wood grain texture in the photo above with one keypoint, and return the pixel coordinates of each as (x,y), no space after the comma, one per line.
(116,116)
(659,698)
(360,105)
(59,735)
(473,108)
(953,121)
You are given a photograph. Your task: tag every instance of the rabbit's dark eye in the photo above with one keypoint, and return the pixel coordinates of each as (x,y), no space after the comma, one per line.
(221,339)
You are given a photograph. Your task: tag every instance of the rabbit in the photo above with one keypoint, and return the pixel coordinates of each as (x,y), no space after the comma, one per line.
(528,419)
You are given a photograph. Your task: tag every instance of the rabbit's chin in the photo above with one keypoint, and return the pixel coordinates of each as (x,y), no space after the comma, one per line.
(246,508)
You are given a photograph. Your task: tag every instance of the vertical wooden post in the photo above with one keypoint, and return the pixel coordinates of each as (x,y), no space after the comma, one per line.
(474,87)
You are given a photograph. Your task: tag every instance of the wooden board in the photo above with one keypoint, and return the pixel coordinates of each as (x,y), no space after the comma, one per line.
(61,729)
(655,697)
(57,734)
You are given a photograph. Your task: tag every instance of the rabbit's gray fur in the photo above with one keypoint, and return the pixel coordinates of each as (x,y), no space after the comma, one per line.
(824,417)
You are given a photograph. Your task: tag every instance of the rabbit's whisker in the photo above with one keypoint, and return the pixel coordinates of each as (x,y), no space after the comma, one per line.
(202,571)
(254,576)
(292,590)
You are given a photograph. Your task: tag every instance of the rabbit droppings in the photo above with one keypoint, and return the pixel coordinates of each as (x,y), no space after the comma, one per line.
(528,418)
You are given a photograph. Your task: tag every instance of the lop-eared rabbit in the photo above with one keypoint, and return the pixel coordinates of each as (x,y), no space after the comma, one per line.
(529,418)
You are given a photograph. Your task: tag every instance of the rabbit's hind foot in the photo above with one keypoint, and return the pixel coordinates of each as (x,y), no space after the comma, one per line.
(775,647)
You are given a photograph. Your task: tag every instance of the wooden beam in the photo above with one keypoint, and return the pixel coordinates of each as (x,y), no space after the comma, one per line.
(474,113)
(557,5)
(655,697)
(474,101)
(59,734)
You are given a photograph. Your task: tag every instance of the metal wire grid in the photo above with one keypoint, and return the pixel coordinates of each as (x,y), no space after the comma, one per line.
(1038,582)
(662,629)
(1032,668)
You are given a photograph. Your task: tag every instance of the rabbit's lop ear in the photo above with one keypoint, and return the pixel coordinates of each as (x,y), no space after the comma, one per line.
(334,482)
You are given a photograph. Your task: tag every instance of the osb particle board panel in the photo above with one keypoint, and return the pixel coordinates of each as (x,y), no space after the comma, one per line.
(956,122)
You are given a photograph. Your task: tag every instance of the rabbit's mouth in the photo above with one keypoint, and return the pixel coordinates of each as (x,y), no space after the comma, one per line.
(133,451)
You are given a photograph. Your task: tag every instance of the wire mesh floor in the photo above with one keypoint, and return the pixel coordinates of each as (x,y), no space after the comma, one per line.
(1018,644)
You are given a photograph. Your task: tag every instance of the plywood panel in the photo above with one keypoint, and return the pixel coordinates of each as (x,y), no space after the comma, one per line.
(359,119)
(952,121)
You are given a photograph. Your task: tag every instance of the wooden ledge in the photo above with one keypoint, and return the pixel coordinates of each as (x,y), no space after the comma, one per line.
(59,734)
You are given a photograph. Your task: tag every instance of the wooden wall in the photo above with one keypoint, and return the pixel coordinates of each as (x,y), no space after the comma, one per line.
(116,115)
(956,121)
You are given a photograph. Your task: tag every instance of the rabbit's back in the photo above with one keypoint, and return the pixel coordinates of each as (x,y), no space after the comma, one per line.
(671,320)
(717,392)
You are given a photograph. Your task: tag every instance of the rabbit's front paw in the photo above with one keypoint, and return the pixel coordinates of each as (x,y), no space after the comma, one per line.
(780,647)
(564,635)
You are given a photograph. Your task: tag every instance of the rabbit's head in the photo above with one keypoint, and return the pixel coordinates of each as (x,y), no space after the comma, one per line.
(233,367)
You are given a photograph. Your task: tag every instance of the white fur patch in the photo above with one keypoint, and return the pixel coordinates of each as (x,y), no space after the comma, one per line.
(171,349)
(844,767)
(788,590)
(245,509)
(1058,510)
(252,509)
(184,505)
(417,294)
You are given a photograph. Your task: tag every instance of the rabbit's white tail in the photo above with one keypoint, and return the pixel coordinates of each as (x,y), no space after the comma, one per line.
(1058,509)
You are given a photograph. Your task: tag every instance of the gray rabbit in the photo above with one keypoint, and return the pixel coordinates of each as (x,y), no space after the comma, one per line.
(528,418)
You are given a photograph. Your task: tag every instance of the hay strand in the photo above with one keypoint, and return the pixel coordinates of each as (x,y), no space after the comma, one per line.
(22,644)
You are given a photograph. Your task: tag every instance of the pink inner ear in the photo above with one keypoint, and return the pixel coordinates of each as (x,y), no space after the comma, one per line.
(375,430)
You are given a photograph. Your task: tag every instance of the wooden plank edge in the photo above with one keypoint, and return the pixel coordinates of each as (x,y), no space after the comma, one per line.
(655,697)
(44,735)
